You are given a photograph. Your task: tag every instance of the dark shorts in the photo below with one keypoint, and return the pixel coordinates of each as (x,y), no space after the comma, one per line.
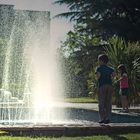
(124,91)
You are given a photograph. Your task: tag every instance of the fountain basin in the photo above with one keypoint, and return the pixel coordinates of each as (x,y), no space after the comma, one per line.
(25,115)
(70,130)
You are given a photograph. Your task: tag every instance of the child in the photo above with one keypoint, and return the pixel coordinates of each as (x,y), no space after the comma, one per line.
(104,76)
(123,87)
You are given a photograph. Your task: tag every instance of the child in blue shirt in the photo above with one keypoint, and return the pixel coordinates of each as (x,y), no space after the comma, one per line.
(104,75)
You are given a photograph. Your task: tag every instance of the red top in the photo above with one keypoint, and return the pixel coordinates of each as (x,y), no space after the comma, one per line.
(124,81)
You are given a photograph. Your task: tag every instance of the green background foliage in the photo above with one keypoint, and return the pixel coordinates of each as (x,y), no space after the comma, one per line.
(103,26)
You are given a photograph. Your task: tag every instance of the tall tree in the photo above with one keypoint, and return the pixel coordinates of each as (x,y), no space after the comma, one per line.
(106,17)
(80,50)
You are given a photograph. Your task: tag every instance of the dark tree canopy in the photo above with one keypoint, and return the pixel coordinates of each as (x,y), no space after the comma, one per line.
(106,17)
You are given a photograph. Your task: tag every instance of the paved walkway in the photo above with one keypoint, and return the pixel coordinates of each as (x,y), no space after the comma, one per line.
(94,106)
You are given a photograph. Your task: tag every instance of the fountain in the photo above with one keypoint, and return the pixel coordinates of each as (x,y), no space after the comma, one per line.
(30,71)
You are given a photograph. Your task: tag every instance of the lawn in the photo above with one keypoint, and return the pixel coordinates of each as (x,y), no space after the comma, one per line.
(104,137)
(81,100)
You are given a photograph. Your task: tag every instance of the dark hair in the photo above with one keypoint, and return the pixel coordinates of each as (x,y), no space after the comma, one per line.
(103,58)
(122,68)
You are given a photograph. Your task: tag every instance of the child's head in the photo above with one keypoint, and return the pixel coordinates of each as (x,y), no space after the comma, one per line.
(122,68)
(103,59)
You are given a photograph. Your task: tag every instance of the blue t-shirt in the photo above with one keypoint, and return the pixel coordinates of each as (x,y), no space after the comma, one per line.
(106,75)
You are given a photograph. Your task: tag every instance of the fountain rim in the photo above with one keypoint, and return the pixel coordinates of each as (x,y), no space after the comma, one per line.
(70,130)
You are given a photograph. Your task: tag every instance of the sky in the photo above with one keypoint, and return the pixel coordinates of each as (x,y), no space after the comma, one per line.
(59,26)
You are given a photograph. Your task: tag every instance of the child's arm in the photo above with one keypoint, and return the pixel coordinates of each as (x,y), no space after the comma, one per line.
(113,74)
(124,75)
(98,75)
(117,78)
(121,77)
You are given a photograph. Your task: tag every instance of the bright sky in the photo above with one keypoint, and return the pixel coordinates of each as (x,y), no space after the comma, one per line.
(59,26)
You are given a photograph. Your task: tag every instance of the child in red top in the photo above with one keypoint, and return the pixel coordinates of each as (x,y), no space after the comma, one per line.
(123,87)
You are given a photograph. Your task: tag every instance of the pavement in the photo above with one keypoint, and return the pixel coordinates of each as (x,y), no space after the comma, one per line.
(94,106)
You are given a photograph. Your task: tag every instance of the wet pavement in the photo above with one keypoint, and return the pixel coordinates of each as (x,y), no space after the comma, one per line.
(94,106)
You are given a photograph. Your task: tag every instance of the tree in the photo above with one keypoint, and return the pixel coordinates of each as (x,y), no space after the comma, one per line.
(99,20)
(80,52)
(106,17)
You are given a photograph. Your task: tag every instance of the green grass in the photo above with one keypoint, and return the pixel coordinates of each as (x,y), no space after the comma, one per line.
(81,100)
(106,137)
(61,138)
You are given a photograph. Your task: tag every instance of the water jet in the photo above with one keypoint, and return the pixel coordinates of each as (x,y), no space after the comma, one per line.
(30,66)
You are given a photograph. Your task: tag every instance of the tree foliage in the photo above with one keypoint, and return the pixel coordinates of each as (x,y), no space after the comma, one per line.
(98,23)
(120,52)
(106,17)
(80,53)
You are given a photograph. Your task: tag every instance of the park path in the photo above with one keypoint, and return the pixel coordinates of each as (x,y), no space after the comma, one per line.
(94,106)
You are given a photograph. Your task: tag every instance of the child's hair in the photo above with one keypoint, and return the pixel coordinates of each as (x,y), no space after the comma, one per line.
(103,58)
(122,68)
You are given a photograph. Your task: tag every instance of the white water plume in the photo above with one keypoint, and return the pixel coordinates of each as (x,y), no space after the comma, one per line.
(31,70)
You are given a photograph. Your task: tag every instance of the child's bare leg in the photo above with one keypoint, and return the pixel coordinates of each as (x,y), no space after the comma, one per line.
(123,101)
(126,102)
